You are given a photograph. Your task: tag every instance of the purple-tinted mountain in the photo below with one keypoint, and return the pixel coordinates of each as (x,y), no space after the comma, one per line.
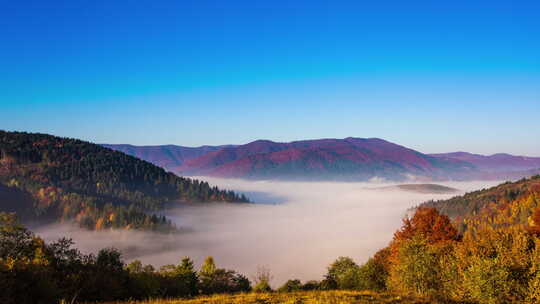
(341,159)
(500,162)
(349,158)
(166,156)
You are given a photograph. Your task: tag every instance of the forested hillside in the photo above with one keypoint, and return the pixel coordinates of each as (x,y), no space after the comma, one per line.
(69,179)
(488,201)
(493,259)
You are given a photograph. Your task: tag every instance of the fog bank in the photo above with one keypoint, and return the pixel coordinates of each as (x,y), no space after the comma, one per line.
(311,224)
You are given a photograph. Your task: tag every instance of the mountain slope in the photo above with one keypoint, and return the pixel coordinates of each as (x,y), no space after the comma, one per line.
(165,156)
(69,179)
(349,158)
(494,163)
(487,201)
(493,256)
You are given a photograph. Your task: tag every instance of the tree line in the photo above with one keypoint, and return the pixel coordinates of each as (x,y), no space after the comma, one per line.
(32,271)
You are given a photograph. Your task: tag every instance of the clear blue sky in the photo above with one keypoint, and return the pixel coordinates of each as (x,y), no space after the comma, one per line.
(436,76)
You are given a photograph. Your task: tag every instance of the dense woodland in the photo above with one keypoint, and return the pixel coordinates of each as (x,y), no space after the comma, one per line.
(495,260)
(53,178)
(486,203)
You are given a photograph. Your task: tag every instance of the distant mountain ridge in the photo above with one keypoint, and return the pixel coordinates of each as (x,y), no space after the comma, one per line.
(165,156)
(348,158)
(496,162)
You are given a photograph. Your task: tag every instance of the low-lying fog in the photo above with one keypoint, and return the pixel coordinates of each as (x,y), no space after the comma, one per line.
(310,225)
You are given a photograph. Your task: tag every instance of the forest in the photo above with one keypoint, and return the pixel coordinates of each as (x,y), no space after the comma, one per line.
(496,259)
(484,204)
(51,178)
(489,253)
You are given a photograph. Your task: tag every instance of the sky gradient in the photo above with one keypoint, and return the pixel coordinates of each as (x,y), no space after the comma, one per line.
(433,76)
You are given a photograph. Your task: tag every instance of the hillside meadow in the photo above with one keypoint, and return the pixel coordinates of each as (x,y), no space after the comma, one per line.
(299,297)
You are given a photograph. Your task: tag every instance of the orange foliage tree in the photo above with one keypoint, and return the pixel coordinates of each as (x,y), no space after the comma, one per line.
(415,249)
(429,224)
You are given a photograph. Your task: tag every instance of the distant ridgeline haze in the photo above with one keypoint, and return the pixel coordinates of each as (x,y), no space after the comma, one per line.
(331,159)
(48,178)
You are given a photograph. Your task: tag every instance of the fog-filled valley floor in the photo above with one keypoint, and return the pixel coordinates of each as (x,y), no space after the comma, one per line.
(295,228)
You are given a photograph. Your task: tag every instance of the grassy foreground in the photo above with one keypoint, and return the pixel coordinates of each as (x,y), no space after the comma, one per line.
(301,297)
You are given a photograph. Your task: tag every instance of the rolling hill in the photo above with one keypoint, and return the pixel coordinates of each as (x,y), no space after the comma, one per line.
(423,188)
(67,179)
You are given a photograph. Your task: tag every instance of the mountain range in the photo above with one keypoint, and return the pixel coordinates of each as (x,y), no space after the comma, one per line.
(499,162)
(165,156)
(330,159)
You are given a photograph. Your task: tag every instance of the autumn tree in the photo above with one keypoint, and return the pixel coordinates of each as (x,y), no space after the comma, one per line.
(418,268)
(414,256)
(372,275)
(429,224)
(16,241)
(534,222)
(345,272)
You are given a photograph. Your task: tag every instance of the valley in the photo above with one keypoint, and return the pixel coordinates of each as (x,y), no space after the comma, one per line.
(131,219)
(313,224)
(270,152)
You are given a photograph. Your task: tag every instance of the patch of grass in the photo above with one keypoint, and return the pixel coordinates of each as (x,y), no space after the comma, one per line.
(301,297)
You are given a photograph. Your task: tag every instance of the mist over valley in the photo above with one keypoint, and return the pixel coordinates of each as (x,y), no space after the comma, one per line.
(269,152)
(294,228)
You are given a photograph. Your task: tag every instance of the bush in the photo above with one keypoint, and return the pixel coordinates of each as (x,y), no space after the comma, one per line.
(291,285)
(217,280)
(311,285)
(262,286)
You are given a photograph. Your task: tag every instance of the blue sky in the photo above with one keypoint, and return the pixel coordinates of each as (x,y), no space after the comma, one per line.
(431,75)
